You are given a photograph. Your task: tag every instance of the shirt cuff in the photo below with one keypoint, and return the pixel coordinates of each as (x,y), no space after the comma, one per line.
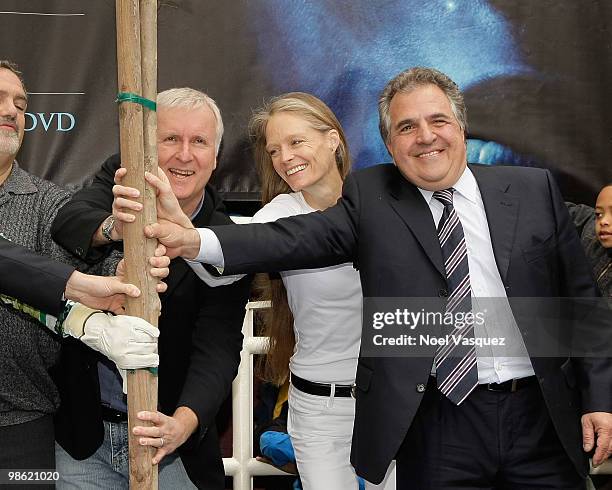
(210,279)
(210,249)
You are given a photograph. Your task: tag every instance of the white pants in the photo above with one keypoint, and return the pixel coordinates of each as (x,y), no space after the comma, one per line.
(321,429)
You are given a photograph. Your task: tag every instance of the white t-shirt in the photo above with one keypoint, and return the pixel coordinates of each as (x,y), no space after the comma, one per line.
(326,306)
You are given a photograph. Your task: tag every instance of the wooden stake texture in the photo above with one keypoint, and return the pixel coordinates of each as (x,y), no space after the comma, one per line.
(142,385)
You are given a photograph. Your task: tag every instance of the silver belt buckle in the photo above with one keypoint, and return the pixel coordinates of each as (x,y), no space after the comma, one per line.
(514,383)
(354,390)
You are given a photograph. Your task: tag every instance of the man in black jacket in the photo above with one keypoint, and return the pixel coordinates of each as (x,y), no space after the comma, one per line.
(200,327)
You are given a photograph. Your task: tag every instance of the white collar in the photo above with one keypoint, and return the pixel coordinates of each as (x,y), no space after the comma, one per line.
(466,186)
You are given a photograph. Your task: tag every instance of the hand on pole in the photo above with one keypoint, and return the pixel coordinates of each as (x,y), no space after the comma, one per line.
(102,293)
(167,433)
(178,240)
(125,204)
(160,263)
(168,207)
(130,342)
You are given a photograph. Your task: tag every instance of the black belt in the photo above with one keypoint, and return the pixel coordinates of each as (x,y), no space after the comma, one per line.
(320,389)
(509,386)
(111,415)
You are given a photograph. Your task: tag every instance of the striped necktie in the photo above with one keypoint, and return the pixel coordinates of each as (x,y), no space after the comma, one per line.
(456,370)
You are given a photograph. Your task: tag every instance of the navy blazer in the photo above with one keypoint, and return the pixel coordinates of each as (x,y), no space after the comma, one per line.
(384,226)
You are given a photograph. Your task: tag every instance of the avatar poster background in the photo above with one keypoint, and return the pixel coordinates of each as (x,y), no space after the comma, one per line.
(537,75)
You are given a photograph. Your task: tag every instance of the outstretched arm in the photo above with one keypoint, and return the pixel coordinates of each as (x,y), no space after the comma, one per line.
(318,239)
(35,279)
(130,342)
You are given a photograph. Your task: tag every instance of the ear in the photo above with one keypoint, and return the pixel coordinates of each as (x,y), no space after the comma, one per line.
(333,139)
(388,146)
(215,164)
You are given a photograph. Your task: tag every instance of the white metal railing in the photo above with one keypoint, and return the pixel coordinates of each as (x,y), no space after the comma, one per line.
(242,466)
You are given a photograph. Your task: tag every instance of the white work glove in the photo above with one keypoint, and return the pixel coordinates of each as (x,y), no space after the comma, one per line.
(130,342)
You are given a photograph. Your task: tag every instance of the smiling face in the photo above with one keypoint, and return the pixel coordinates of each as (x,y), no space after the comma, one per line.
(302,156)
(603,217)
(186,151)
(425,139)
(13,103)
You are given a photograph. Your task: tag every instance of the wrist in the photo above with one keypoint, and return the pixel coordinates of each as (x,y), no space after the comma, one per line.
(74,285)
(77,319)
(115,235)
(191,249)
(188,419)
(109,231)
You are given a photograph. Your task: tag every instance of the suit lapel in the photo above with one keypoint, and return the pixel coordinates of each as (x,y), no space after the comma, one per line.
(501,208)
(409,204)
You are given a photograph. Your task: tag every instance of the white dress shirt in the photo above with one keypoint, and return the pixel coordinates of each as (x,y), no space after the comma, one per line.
(325,303)
(486,283)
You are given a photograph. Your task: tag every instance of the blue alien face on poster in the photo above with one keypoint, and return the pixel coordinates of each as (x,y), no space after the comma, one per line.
(345,51)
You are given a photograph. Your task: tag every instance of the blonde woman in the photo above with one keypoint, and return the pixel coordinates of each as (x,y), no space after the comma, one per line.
(315,323)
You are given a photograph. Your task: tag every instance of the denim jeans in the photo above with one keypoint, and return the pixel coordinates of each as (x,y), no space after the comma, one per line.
(108,467)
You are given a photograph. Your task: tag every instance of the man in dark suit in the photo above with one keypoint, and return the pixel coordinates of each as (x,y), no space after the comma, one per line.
(200,326)
(432,226)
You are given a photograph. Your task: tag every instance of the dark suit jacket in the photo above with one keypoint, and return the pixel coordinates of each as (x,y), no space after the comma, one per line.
(199,344)
(36,280)
(383,225)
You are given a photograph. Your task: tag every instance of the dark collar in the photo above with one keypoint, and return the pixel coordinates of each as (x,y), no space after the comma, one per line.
(18,182)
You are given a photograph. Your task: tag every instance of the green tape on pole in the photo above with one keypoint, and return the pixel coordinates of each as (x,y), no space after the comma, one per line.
(153,370)
(137,99)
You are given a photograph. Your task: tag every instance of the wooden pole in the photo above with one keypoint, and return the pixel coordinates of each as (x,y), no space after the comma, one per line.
(136,157)
(148,49)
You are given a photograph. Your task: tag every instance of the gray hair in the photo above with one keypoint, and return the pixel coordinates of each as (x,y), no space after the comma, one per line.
(189,98)
(9,65)
(411,79)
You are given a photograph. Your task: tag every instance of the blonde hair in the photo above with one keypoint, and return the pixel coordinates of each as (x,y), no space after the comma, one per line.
(312,110)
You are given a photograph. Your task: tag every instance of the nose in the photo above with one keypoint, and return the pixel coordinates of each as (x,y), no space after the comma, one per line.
(425,135)
(184,152)
(8,110)
(605,220)
(286,154)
